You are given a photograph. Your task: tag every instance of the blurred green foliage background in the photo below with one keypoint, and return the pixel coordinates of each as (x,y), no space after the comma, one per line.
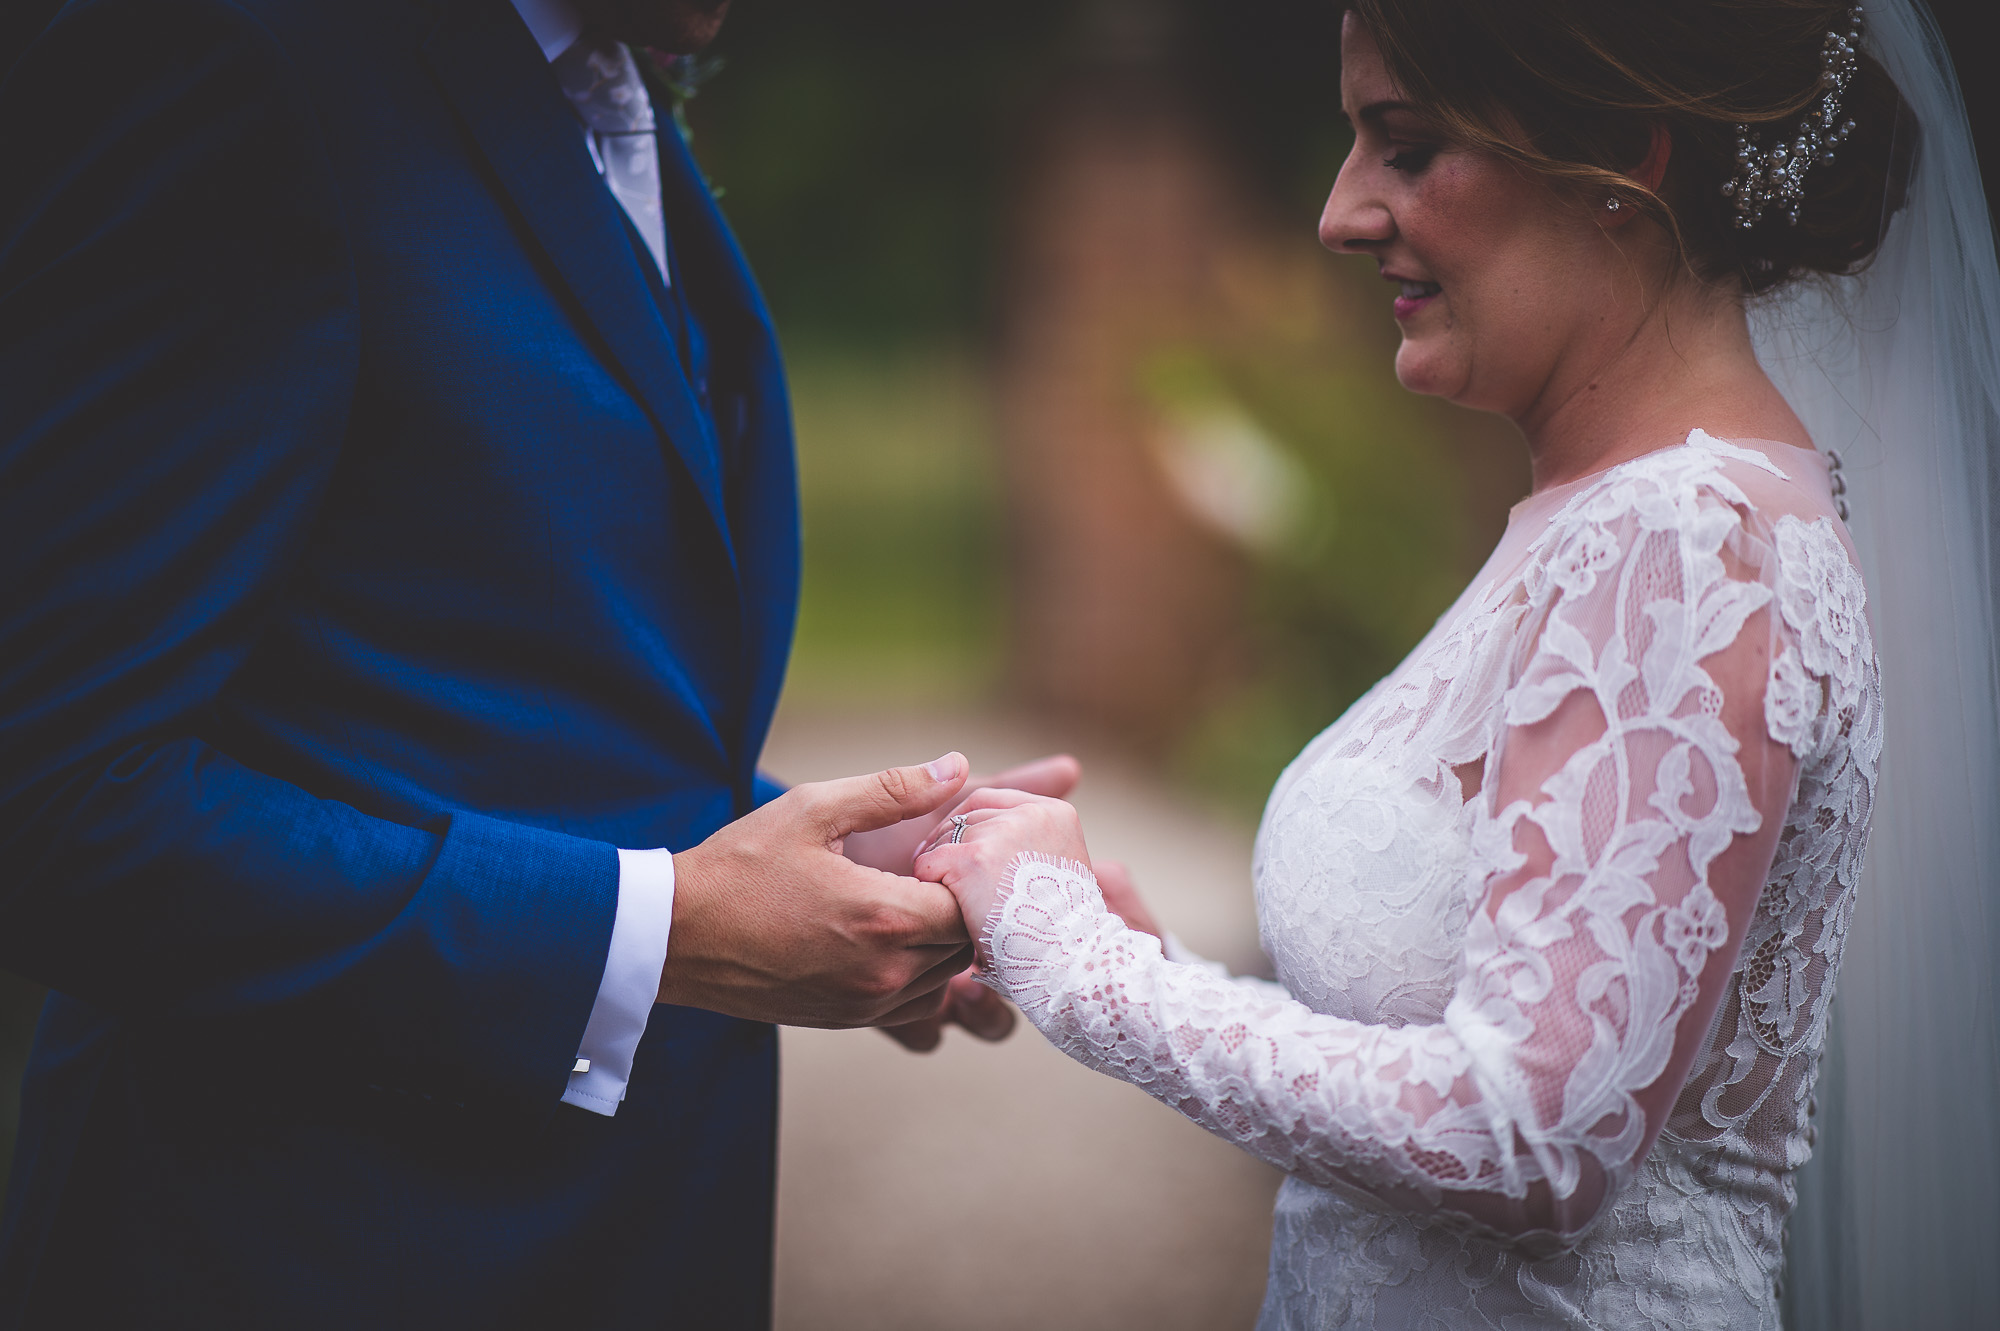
(858,150)
(903,596)
(869,152)
(1380,544)
(867,149)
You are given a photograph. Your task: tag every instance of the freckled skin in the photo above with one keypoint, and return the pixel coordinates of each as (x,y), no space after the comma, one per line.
(1579,324)
(1501,244)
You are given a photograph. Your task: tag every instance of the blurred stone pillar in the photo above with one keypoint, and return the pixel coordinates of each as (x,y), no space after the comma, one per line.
(1127,611)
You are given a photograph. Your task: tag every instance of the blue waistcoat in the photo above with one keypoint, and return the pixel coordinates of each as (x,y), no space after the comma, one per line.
(370,569)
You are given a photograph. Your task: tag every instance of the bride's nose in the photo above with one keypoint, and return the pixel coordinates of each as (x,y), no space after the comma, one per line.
(1356,219)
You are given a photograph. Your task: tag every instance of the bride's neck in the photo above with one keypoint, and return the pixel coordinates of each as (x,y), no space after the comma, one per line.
(1686,362)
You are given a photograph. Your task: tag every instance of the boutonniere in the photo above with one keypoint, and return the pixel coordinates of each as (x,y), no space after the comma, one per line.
(672,81)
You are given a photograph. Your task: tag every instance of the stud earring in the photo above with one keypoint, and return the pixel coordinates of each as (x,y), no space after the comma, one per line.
(1613,204)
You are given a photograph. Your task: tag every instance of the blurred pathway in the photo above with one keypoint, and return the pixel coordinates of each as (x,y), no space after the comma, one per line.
(986,1187)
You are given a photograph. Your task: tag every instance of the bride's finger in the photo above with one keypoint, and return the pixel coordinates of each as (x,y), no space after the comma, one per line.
(978,1009)
(927,1006)
(1055,775)
(972,860)
(941,835)
(924,1035)
(997,797)
(935,865)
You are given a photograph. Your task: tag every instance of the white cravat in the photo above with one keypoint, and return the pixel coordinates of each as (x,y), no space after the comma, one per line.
(604,86)
(602,82)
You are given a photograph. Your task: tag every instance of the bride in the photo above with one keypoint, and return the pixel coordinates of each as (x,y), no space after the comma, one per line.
(1557,907)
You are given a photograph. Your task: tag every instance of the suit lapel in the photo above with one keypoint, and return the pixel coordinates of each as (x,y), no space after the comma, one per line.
(765,519)
(489,67)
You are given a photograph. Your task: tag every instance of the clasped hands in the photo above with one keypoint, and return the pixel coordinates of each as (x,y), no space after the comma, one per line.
(806,912)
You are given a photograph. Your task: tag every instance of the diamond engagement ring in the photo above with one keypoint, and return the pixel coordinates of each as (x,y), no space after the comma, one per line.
(957,829)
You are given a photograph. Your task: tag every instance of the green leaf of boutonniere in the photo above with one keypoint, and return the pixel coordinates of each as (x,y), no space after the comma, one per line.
(672,81)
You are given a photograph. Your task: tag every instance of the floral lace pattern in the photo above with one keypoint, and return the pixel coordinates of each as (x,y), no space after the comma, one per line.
(1546,1049)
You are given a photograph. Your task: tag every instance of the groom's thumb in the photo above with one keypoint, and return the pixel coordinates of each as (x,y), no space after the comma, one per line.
(863,803)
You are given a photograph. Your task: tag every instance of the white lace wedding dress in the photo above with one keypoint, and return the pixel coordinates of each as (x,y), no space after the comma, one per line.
(1556,911)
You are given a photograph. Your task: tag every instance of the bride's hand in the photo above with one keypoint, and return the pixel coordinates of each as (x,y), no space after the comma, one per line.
(1000,825)
(1122,898)
(891,848)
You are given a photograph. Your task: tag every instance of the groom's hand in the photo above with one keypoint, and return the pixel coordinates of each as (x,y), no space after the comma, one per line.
(891,848)
(773,923)
(968,1003)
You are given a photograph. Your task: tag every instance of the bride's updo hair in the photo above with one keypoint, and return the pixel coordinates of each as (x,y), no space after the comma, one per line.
(1573,88)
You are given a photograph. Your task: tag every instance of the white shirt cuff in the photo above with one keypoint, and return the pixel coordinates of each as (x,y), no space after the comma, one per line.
(631,983)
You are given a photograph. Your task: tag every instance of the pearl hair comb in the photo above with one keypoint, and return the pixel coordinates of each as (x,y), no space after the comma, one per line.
(1775,176)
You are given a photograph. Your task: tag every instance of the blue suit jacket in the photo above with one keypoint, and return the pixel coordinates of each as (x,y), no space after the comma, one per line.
(371,571)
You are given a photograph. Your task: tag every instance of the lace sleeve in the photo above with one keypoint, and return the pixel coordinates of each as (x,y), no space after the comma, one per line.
(1629,812)
(1180,954)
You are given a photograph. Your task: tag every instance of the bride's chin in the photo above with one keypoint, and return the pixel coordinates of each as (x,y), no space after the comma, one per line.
(1421,368)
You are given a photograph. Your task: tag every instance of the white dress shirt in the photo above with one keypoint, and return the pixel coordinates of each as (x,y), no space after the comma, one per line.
(631,982)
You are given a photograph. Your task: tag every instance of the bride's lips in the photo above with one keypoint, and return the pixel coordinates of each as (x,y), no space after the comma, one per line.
(1414,296)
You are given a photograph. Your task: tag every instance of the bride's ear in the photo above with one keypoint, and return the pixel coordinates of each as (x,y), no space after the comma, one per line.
(1652,169)
(1647,175)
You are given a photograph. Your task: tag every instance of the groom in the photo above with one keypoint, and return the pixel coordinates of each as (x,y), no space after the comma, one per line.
(400,541)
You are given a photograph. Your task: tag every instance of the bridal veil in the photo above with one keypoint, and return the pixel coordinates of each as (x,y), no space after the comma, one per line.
(1898,370)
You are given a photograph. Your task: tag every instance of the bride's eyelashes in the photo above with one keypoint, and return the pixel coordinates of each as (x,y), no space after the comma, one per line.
(1411,160)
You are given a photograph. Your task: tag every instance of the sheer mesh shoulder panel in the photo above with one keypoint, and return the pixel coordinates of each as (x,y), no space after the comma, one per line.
(1669,681)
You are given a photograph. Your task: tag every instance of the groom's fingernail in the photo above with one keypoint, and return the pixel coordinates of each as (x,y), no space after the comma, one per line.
(945,768)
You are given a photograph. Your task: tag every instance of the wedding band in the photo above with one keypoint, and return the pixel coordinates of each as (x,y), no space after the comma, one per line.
(957,829)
